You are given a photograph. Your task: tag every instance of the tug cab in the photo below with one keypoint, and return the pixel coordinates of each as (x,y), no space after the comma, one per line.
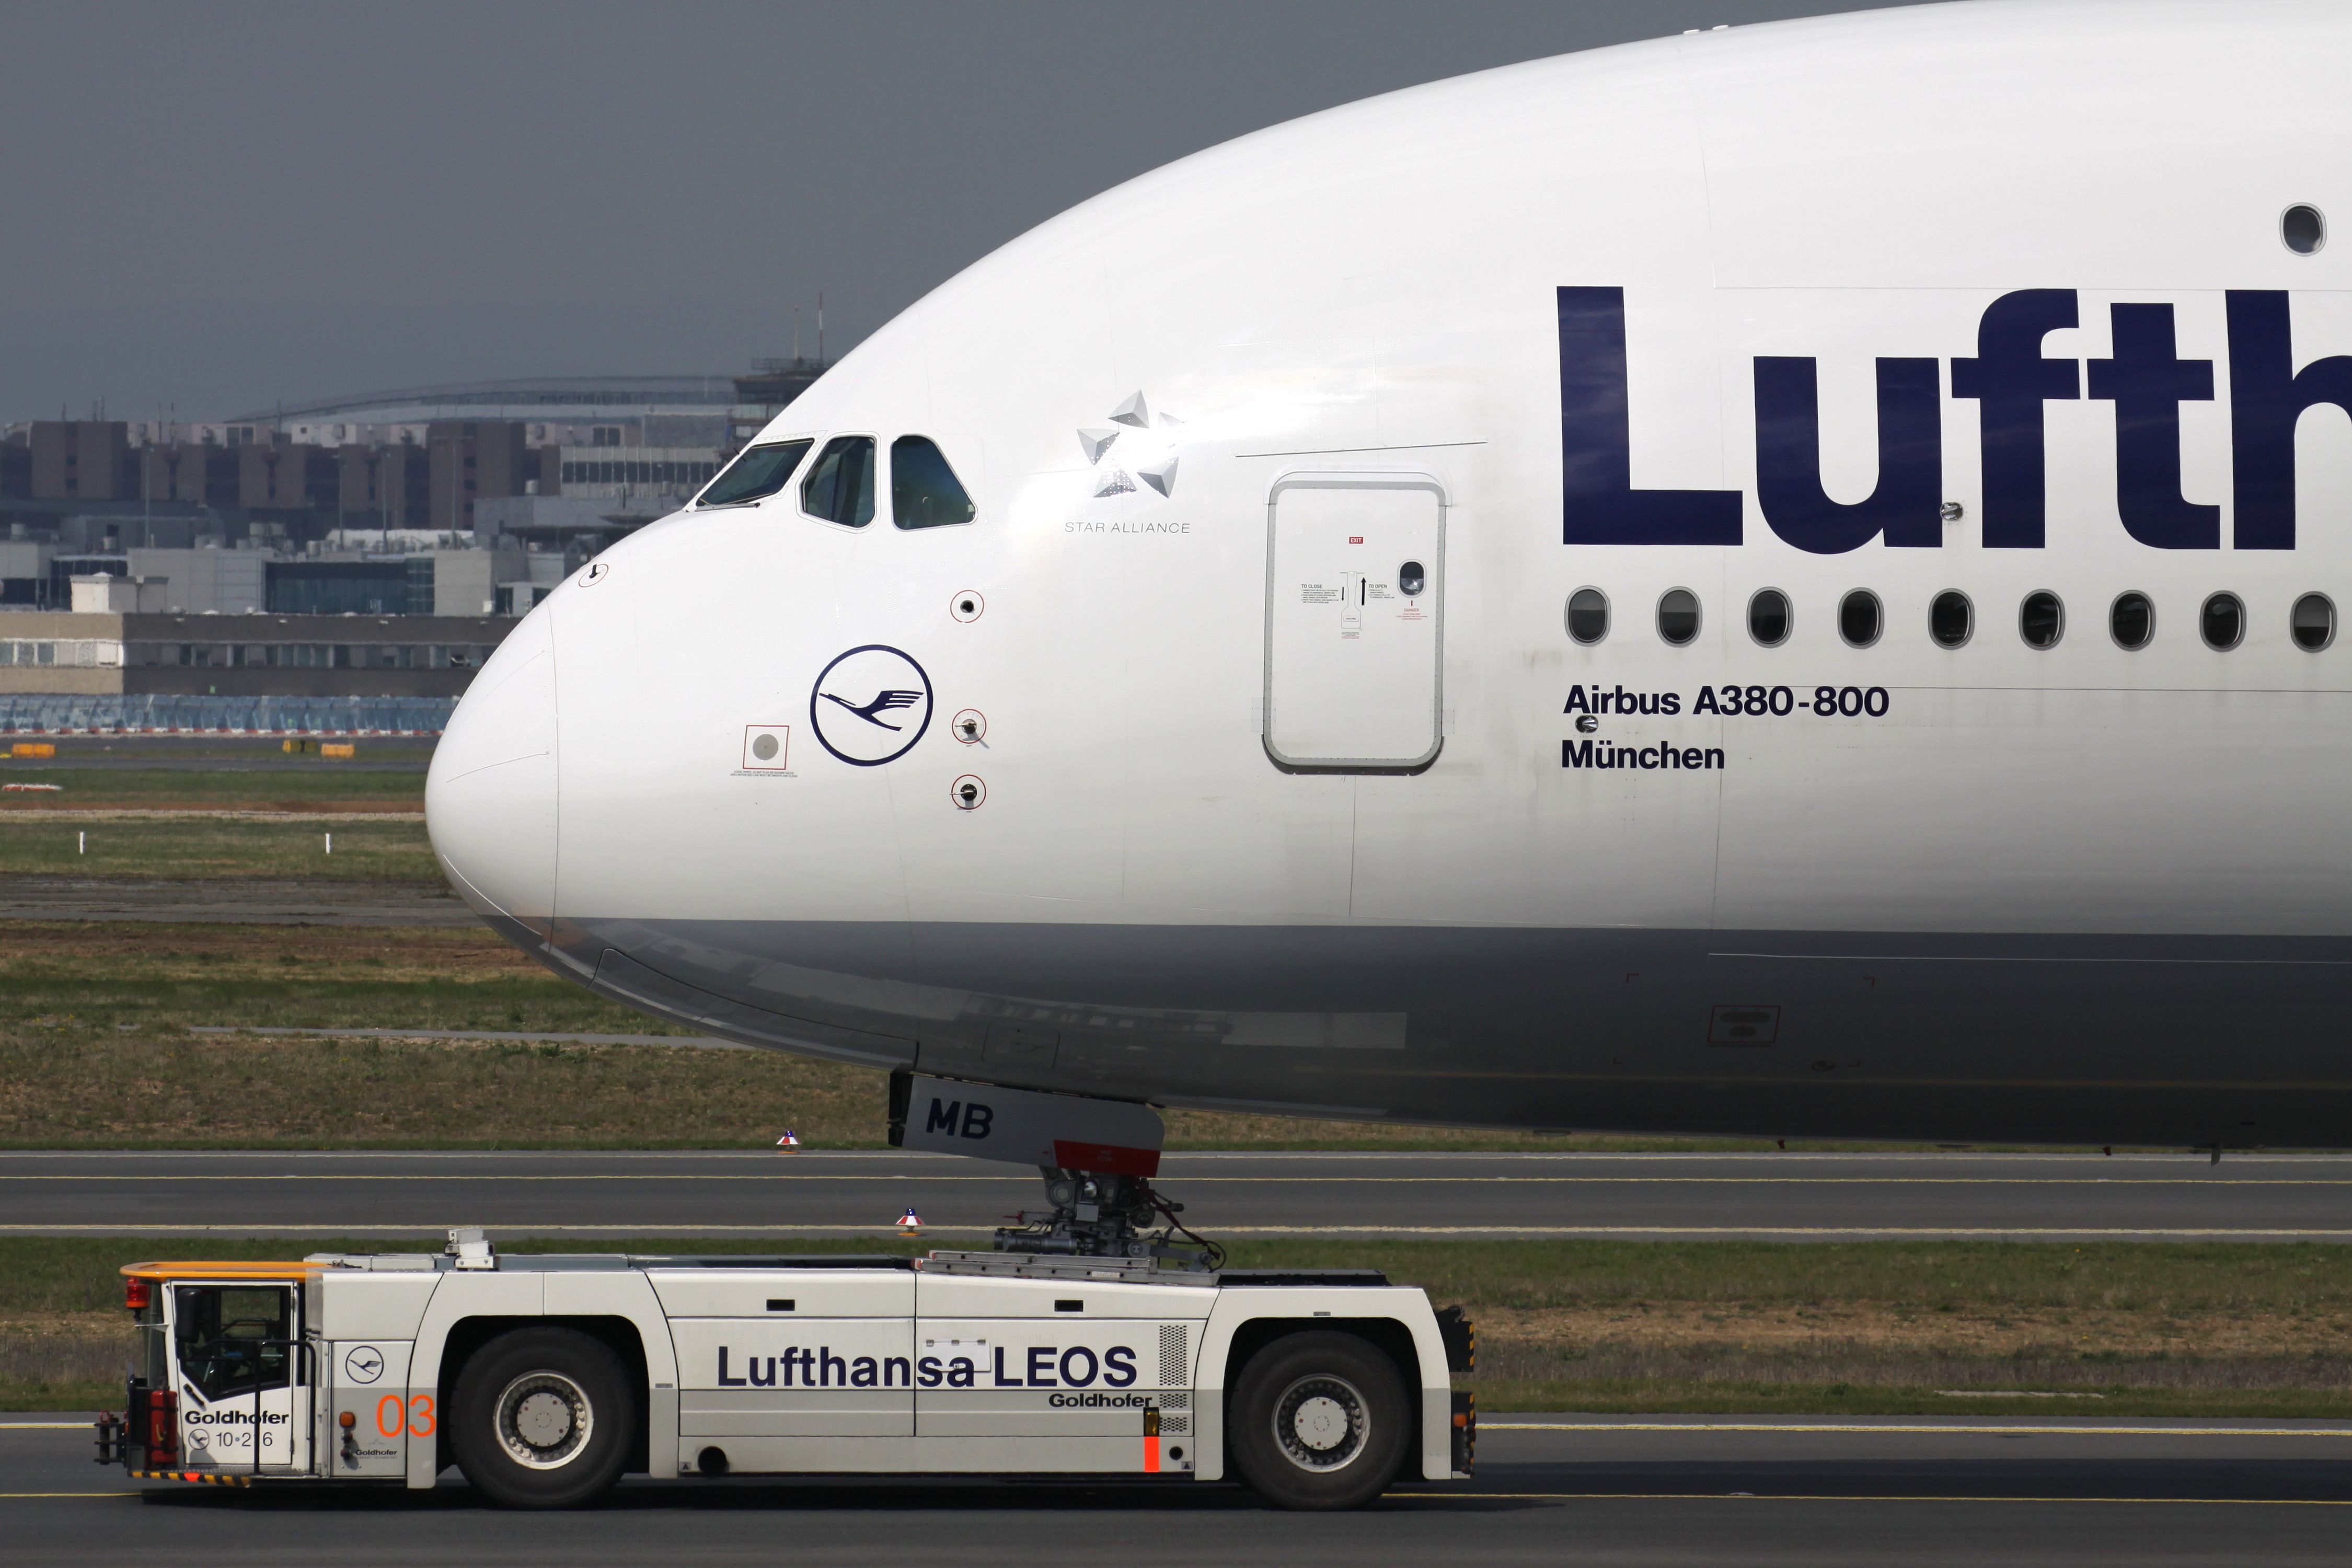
(223,1374)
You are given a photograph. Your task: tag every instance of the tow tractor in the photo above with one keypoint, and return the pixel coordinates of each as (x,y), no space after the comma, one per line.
(1084,1346)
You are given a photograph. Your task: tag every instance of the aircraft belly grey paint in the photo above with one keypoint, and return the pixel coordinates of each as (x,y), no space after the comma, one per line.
(1239,750)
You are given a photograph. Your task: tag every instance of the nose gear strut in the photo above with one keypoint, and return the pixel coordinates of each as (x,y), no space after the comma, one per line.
(1097,1214)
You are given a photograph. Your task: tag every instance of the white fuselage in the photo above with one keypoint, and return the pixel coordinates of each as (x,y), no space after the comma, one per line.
(1250,820)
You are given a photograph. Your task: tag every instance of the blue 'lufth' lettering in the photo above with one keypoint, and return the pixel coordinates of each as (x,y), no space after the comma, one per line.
(1906,509)
(1598,502)
(2148,380)
(2010,379)
(2267,395)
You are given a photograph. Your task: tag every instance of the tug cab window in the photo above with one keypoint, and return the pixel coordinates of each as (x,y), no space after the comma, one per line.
(757,472)
(840,485)
(924,492)
(233,1339)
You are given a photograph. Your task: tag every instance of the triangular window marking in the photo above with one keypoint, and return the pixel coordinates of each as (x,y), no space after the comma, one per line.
(1161,476)
(1132,411)
(1095,441)
(1115,483)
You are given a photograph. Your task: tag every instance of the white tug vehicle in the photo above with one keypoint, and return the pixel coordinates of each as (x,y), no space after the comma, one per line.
(1101,1339)
(546,1378)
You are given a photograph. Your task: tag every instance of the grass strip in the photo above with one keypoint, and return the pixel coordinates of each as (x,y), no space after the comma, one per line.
(151,849)
(95,1052)
(292,786)
(1877,1328)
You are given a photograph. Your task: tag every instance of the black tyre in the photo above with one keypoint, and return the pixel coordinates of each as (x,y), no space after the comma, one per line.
(1320,1420)
(543,1418)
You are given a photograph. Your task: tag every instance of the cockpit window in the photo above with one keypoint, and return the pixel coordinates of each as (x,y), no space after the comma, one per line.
(840,488)
(924,492)
(757,472)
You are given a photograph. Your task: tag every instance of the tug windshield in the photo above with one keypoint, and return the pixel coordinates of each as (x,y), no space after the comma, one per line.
(233,1339)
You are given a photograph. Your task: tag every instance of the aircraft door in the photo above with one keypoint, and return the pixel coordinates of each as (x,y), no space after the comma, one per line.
(1355,621)
(244,1376)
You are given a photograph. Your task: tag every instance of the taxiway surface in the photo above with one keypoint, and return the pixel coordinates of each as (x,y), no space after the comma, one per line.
(1549,1489)
(1792,1196)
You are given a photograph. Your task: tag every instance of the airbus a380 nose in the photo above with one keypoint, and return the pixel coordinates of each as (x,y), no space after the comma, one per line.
(1775,581)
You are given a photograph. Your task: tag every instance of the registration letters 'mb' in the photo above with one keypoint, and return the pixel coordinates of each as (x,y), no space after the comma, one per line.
(975,1118)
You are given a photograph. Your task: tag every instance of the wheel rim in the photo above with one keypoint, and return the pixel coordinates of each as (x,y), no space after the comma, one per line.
(1322,1423)
(544,1420)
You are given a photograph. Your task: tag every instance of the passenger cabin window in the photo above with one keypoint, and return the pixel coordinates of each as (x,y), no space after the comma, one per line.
(924,492)
(1859,617)
(2312,622)
(1588,615)
(1768,618)
(2041,619)
(2222,622)
(2131,620)
(2303,230)
(840,486)
(1951,619)
(757,472)
(1678,616)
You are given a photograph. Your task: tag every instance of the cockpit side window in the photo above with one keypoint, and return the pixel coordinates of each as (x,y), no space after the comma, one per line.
(924,492)
(757,471)
(840,486)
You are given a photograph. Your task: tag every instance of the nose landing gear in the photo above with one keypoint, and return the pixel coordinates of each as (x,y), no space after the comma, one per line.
(1099,1215)
(1094,1213)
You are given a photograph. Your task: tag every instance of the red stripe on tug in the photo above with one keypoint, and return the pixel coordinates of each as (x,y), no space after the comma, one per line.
(1150,1442)
(1106,1159)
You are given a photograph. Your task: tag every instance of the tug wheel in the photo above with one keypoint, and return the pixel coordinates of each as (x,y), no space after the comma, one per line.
(542,1419)
(1320,1420)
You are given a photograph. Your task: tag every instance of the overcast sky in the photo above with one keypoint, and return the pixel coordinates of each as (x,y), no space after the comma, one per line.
(225,206)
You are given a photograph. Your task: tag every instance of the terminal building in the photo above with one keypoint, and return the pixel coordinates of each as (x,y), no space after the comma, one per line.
(115,653)
(559,459)
(370,548)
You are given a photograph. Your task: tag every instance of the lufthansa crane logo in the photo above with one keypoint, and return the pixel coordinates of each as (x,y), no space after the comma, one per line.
(870,706)
(365,1363)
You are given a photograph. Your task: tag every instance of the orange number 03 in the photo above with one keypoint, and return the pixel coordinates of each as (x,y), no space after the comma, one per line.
(414,1416)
